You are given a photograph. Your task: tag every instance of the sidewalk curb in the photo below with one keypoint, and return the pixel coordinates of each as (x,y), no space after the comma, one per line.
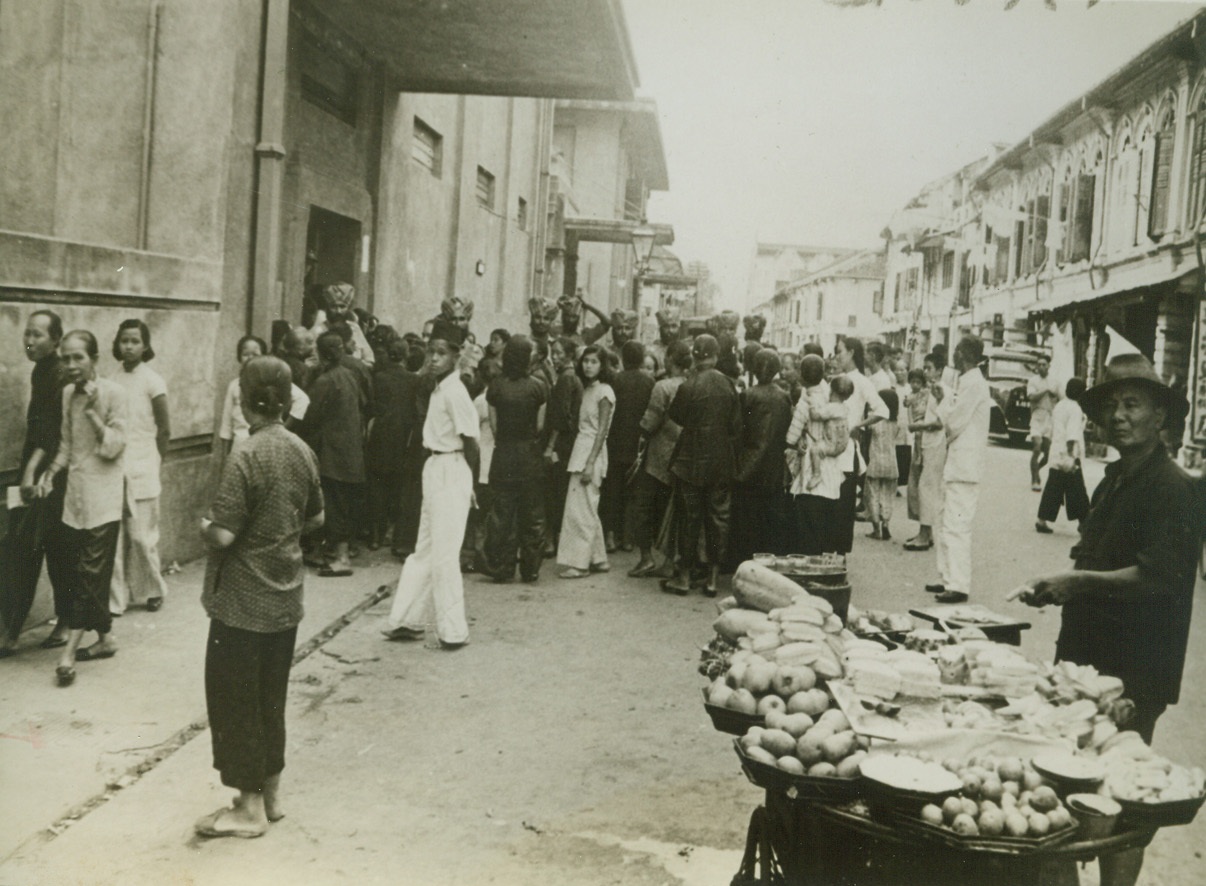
(179,739)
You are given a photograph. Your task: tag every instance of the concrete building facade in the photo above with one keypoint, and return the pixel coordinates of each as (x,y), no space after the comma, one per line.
(201,164)
(1085,235)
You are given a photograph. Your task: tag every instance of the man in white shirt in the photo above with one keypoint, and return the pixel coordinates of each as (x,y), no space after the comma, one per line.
(965,417)
(431,575)
(864,408)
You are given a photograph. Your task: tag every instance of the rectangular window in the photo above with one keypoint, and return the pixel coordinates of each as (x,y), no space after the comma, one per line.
(327,80)
(485,188)
(852,322)
(1001,262)
(634,199)
(948,269)
(910,289)
(877,301)
(427,148)
(820,304)
(1042,212)
(896,294)
(1020,262)
(1157,219)
(521,214)
(965,283)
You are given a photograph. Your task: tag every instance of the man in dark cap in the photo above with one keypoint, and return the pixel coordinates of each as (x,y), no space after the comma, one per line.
(1127,602)
(708,410)
(431,576)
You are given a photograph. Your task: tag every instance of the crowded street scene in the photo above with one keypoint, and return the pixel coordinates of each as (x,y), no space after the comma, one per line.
(603,442)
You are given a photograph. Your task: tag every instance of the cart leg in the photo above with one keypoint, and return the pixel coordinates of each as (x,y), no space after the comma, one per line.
(1121,868)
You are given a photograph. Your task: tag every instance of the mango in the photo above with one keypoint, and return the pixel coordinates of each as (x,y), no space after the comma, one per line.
(792,765)
(823,770)
(838,746)
(795,724)
(778,742)
(743,702)
(809,751)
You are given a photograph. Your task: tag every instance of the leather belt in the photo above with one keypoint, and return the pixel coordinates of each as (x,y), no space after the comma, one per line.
(449,452)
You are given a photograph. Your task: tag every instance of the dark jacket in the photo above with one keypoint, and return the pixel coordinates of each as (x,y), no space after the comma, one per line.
(562,413)
(633,388)
(396,419)
(765,418)
(708,410)
(334,424)
(1150,517)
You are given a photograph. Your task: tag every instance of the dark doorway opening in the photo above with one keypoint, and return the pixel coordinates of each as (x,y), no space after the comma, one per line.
(332,250)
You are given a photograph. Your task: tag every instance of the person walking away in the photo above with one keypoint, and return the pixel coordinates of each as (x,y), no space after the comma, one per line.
(393,426)
(1065,480)
(1042,392)
(633,388)
(35,529)
(136,574)
(334,427)
(762,518)
(883,471)
(561,428)
(653,486)
(1127,601)
(269,494)
(863,409)
(965,421)
(708,410)
(431,583)
(929,458)
(581,548)
(93,440)
(515,525)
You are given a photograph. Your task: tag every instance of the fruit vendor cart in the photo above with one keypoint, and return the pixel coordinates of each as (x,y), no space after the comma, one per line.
(923,756)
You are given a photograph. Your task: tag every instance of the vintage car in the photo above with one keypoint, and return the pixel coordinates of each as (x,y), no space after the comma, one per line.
(1009,368)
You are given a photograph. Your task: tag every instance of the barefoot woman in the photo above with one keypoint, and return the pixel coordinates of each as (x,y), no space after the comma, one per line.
(268,496)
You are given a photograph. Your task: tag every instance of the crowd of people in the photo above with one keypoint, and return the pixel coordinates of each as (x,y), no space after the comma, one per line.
(564,442)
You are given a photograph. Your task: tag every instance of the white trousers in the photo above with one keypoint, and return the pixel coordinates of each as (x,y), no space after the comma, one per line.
(581,544)
(136,573)
(952,540)
(431,576)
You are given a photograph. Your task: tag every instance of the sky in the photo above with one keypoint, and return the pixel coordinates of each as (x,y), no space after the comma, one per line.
(798,121)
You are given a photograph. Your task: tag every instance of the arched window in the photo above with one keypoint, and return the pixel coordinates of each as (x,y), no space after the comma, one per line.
(1124,192)
(1077,197)
(1197,165)
(1157,183)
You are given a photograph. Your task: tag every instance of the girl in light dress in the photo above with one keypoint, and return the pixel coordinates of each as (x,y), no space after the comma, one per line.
(582,548)
(136,574)
(883,470)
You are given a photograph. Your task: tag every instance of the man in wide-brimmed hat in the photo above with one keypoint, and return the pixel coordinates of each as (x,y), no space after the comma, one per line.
(1127,602)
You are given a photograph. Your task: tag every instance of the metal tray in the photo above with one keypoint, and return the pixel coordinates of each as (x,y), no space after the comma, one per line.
(1002,844)
(731,722)
(798,787)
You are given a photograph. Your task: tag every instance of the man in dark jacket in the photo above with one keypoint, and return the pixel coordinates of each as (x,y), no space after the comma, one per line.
(707,409)
(1127,601)
(396,424)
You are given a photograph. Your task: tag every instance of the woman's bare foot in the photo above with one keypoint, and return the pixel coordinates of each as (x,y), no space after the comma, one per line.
(272,799)
(246,818)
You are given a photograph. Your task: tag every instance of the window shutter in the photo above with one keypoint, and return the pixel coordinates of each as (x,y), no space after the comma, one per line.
(1002,264)
(1198,169)
(1157,219)
(1040,214)
(1080,241)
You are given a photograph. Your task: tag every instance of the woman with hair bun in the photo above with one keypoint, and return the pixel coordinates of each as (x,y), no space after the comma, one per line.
(93,442)
(269,494)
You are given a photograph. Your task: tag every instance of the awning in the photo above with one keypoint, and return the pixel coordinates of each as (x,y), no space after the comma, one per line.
(1077,289)
(607,230)
(545,48)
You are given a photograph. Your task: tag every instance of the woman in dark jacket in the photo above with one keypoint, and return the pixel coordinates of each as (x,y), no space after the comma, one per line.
(762,516)
(515,527)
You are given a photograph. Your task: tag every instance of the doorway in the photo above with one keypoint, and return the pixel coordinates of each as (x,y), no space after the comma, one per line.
(332,250)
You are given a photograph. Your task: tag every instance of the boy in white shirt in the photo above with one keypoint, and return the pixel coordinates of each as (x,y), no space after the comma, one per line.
(1065,482)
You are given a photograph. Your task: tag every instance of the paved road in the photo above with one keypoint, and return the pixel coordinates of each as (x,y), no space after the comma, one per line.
(565,744)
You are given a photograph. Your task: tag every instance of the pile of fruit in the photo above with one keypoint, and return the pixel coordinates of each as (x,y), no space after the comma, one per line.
(876,621)
(1135,772)
(819,744)
(754,685)
(999,798)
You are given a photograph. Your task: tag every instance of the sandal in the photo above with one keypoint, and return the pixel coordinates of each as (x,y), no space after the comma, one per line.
(914,546)
(53,642)
(571,572)
(86,654)
(335,572)
(64,675)
(600,567)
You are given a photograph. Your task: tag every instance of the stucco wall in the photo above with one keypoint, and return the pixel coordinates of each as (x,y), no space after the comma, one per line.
(73,129)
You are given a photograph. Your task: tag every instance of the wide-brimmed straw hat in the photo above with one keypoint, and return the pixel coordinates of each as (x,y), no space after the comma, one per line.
(1138,370)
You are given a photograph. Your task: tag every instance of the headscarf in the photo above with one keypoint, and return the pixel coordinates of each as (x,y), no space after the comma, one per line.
(338,298)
